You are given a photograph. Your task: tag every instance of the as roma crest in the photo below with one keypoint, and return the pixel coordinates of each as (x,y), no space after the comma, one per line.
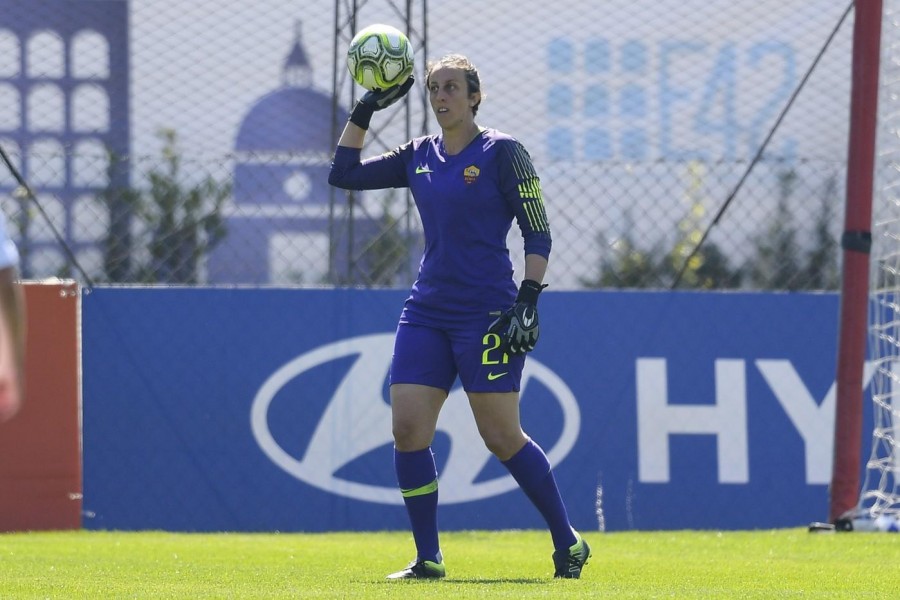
(470,174)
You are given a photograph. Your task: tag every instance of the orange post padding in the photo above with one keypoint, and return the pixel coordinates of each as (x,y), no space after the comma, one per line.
(40,447)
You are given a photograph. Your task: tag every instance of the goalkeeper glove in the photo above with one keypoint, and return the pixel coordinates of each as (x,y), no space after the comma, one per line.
(518,327)
(378,100)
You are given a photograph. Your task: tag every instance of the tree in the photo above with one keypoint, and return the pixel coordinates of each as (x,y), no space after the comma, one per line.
(822,271)
(632,267)
(625,265)
(776,264)
(706,267)
(121,203)
(186,224)
(183,223)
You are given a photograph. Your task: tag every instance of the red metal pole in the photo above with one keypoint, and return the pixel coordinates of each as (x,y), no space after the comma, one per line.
(856,242)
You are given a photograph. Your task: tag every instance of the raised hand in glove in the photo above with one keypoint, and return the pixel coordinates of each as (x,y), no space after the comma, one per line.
(518,327)
(378,100)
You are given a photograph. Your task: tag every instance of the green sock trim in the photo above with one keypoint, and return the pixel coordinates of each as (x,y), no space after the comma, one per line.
(576,547)
(429,488)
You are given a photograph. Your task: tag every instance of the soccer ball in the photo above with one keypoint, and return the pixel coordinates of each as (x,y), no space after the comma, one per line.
(380,57)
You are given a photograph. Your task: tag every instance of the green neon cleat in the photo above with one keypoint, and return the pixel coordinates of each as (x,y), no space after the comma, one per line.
(421,569)
(569,562)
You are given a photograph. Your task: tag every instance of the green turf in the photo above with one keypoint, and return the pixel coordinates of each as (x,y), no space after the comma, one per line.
(508,564)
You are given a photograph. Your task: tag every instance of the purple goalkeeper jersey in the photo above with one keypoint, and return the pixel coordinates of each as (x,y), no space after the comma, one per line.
(467,203)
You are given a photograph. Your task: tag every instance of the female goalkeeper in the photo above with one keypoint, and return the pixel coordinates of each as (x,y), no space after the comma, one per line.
(464,316)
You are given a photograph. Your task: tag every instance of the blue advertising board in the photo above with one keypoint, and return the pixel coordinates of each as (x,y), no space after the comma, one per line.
(229,409)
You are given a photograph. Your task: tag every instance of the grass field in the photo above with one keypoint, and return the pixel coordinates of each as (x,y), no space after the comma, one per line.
(507,564)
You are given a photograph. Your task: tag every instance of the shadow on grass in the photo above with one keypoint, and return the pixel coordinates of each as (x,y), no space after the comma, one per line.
(451,580)
(520,581)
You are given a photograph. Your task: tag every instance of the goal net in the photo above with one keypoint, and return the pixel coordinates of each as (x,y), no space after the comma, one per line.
(879,500)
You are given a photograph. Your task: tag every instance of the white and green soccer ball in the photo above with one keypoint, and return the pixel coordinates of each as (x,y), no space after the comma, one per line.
(380,57)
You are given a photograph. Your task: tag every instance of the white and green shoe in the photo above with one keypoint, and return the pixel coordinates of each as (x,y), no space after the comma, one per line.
(421,569)
(569,562)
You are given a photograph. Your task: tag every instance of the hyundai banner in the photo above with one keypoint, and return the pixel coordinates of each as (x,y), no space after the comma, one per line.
(267,409)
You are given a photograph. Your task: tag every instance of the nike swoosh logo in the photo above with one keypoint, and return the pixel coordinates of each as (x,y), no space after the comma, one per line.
(493,376)
(425,169)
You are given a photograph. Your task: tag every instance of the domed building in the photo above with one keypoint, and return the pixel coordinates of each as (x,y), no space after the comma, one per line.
(278,226)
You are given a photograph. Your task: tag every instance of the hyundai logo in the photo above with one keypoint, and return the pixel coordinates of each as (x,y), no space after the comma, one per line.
(339,439)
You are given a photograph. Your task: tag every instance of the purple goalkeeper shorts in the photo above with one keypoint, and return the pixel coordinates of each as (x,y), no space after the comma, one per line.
(433,356)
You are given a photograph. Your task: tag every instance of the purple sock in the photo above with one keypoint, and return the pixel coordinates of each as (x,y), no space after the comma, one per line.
(417,477)
(531,469)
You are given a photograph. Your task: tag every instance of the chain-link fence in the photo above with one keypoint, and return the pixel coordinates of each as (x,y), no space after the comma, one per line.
(189,142)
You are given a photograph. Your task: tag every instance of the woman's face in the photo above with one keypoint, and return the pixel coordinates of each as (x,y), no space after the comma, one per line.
(450,99)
